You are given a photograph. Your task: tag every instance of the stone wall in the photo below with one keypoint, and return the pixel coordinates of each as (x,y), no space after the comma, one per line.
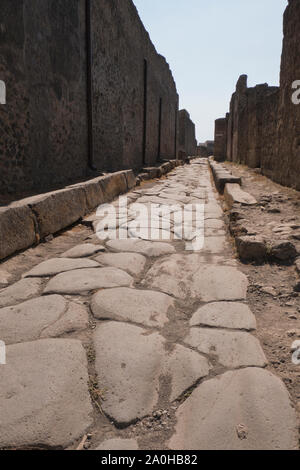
(220,147)
(263,126)
(286,169)
(187,135)
(44,125)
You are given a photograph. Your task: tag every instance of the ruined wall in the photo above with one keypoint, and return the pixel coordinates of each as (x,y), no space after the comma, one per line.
(44,125)
(252,124)
(187,135)
(125,60)
(220,146)
(263,126)
(286,169)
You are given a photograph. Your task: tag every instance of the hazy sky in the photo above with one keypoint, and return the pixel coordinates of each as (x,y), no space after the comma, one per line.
(210,43)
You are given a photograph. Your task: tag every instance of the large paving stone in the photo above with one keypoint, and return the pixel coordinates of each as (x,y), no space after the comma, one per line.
(42,317)
(84,280)
(59,265)
(130,363)
(149,308)
(232,349)
(83,251)
(248,409)
(76,318)
(234,315)
(186,276)
(133,263)
(119,444)
(20,291)
(44,398)
(146,248)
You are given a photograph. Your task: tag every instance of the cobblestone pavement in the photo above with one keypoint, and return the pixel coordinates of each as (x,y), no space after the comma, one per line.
(136,343)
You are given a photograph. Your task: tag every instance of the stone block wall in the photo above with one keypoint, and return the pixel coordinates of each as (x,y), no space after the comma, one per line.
(44,125)
(220,147)
(263,126)
(187,135)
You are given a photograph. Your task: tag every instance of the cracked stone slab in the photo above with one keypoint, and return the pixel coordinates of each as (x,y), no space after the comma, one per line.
(232,349)
(41,318)
(187,276)
(44,397)
(233,315)
(248,409)
(149,308)
(20,291)
(134,245)
(55,266)
(134,263)
(76,318)
(83,251)
(85,280)
(130,362)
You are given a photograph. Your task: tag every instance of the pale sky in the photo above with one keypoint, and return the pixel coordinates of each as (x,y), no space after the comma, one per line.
(210,43)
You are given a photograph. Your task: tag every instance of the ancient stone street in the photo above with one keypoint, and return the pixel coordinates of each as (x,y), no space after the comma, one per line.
(139,343)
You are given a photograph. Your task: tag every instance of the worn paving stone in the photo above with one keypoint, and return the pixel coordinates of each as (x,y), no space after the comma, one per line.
(59,265)
(186,276)
(42,317)
(75,319)
(26,321)
(214,224)
(134,263)
(248,409)
(20,291)
(44,398)
(130,363)
(133,245)
(84,280)
(233,349)
(83,251)
(149,308)
(119,444)
(234,315)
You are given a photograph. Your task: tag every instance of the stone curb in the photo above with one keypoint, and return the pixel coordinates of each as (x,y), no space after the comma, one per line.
(28,221)
(222,176)
(149,173)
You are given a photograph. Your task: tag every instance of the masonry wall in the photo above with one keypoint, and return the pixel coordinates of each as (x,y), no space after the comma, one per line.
(287,166)
(187,135)
(263,126)
(220,147)
(44,125)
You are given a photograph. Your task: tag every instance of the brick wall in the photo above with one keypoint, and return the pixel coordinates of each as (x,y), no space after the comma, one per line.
(44,125)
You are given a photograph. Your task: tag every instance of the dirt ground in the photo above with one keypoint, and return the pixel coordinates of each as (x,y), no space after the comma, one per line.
(271,295)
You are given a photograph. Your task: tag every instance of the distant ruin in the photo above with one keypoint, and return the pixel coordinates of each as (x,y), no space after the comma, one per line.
(262,129)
